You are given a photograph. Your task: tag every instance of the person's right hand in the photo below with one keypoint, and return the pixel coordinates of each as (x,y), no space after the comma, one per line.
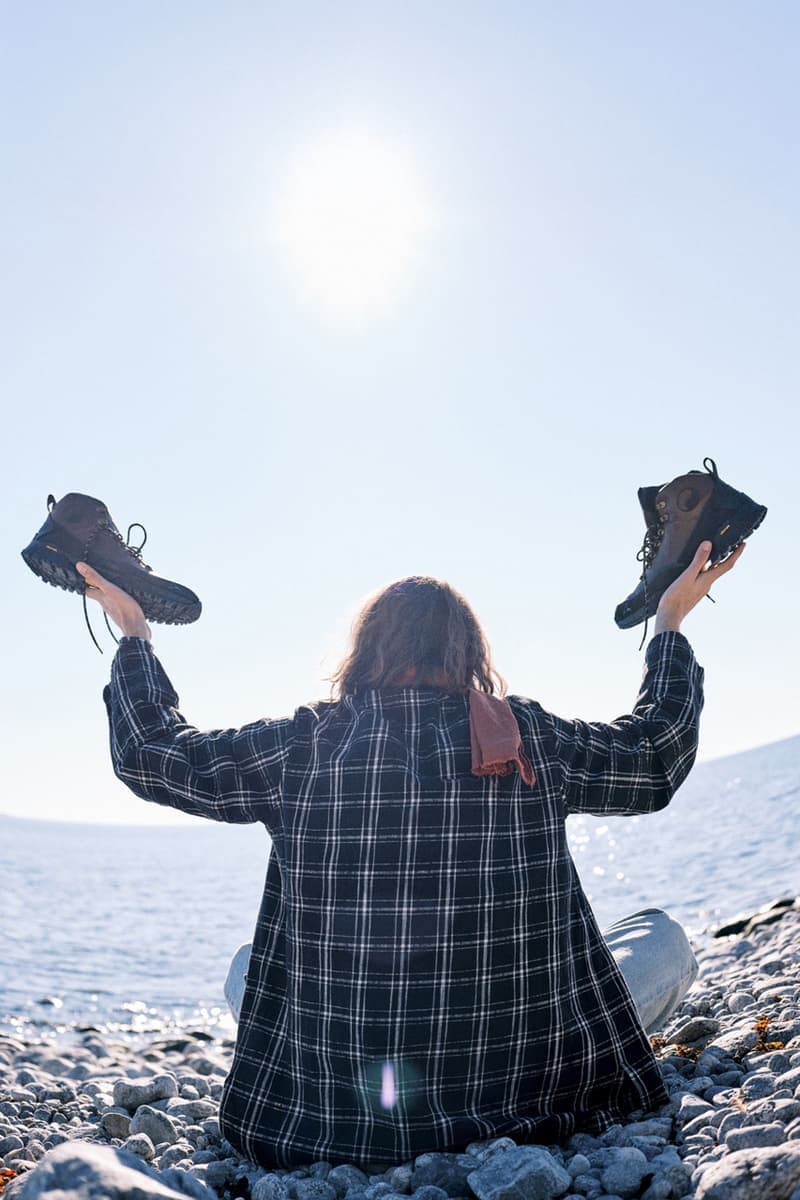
(690,587)
(122,608)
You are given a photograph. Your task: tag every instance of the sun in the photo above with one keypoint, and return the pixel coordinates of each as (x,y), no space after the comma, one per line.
(352,222)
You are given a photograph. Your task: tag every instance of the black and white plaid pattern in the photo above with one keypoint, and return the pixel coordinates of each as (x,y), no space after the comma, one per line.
(426,969)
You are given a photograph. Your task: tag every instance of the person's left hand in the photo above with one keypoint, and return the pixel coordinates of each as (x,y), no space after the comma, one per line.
(123,610)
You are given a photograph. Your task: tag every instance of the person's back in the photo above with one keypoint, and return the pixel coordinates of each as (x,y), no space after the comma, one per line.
(426,969)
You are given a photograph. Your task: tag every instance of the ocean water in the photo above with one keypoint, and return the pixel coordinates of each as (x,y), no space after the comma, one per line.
(130,929)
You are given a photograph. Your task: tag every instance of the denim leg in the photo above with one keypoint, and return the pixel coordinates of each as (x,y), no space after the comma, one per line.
(235,981)
(656,961)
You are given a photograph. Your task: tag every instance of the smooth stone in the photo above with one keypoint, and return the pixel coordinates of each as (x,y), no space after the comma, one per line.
(446,1171)
(578,1165)
(751,1137)
(398,1178)
(130,1093)
(774,1109)
(189,1110)
(692,1106)
(140,1145)
(312,1189)
(157,1125)
(270,1187)
(175,1154)
(198,1082)
(343,1177)
(757,1086)
(83,1171)
(625,1171)
(9,1143)
(693,1030)
(659,1189)
(483,1150)
(694,1126)
(740,1001)
(732,1120)
(524,1173)
(769,1174)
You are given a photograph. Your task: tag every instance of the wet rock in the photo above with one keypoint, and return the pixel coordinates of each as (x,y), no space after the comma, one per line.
(524,1173)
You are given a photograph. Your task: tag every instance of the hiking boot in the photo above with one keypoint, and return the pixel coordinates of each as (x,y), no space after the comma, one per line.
(80,529)
(693,508)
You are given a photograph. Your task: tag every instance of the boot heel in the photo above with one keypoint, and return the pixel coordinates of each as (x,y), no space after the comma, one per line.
(52,566)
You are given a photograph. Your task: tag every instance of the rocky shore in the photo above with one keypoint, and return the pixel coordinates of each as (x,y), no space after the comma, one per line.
(101,1119)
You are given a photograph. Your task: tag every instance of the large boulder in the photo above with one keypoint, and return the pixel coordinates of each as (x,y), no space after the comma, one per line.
(83,1171)
(769,1174)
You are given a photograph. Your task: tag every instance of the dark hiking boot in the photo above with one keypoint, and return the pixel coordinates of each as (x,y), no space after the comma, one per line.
(80,529)
(693,508)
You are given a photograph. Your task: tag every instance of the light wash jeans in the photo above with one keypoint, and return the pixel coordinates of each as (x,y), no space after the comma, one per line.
(649,947)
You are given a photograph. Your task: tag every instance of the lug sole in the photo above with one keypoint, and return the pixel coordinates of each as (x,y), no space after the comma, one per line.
(718,554)
(58,571)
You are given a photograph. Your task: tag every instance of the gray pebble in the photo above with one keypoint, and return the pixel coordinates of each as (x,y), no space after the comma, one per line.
(157,1125)
(131,1093)
(116,1122)
(527,1171)
(140,1145)
(312,1189)
(578,1165)
(398,1178)
(758,1085)
(345,1177)
(752,1137)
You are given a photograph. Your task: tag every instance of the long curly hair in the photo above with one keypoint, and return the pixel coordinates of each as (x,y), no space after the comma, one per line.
(417,632)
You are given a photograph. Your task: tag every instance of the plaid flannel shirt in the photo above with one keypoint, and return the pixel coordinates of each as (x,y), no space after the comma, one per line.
(426,969)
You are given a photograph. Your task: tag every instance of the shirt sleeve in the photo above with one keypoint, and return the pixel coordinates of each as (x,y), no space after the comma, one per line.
(224,774)
(637,763)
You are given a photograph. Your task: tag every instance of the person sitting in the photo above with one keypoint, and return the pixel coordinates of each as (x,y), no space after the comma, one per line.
(426,969)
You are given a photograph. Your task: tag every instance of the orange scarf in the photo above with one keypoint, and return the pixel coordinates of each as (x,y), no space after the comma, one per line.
(495,738)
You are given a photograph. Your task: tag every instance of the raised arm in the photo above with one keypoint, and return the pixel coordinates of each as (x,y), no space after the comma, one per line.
(226,774)
(636,763)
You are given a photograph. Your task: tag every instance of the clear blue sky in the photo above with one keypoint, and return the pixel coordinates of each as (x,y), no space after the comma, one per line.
(596,285)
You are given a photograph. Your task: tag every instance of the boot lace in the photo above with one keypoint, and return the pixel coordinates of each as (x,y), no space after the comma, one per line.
(653,538)
(134,551)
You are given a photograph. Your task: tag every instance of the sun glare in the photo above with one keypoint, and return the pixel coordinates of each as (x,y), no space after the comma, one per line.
(352,223)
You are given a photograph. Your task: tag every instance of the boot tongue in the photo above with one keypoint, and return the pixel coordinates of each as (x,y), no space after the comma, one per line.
(647,500)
